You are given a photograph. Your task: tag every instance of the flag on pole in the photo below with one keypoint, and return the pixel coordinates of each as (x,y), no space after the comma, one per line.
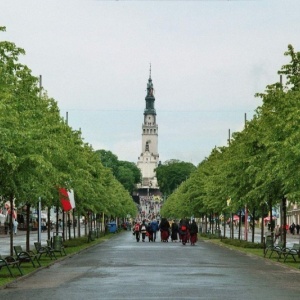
(67,199)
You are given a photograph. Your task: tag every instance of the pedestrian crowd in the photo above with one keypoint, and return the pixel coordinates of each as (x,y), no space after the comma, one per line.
(183,231)
(149,208)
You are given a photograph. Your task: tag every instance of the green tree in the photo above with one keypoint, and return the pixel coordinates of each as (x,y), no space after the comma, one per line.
(172,173)
(127,173)
(109,160)
(24,122)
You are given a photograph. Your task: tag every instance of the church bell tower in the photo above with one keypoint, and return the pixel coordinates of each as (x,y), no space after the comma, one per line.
(149,158)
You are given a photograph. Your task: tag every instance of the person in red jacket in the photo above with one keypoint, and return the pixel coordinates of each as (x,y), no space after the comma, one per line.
(136,231)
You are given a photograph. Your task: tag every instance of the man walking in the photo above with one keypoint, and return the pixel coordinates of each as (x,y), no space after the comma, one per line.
(154,226)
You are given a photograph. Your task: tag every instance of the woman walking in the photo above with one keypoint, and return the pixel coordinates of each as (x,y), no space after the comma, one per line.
(164,229)
(193,233)
(174,231)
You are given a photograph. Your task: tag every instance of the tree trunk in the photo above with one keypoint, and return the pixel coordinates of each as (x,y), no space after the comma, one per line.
(69,225)
(253,225)
(74,228)
(271,218)
(240,223)
(231,227)
(28,227)
(63,225)
(224,225)
(284,221)
(262,224)
(49,222)
(11,231)
(57,225)
(78,224)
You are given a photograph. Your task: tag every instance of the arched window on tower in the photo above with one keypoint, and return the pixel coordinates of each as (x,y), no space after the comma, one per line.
(147,146)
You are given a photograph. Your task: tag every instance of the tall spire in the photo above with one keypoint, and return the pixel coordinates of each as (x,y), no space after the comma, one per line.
(150,96)
(150,90)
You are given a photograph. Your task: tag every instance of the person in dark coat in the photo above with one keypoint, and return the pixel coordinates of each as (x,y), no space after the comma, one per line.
(164,227)
(183,231)
(150,232)
(174,231)
(193,232)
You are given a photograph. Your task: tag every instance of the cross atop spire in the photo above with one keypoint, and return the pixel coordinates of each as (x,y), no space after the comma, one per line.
(150,71)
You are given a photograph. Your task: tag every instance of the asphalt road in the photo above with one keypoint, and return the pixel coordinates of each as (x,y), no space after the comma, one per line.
(121,268)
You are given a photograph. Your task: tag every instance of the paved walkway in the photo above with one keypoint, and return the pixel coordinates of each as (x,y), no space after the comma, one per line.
(121,268)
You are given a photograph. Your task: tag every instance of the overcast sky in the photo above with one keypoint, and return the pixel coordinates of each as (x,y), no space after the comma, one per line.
(208,60)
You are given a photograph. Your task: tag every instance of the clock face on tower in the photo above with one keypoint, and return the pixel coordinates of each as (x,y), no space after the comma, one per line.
(149,119)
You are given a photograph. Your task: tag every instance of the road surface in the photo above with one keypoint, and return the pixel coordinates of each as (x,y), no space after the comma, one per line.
(121,268)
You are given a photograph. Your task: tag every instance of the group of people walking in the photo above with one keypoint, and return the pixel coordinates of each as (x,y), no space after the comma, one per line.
(143,230)
(184,231)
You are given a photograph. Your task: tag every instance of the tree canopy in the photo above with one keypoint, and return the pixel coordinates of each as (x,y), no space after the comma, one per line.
(39,152)
(172,173)
(258,167)
(127,173)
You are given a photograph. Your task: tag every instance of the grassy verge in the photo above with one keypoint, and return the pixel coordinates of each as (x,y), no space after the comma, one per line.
(72,247)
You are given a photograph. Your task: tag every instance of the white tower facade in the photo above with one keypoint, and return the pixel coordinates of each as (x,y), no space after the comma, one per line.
(149,158)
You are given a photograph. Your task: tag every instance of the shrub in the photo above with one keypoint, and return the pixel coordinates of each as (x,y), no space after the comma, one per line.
(242,243)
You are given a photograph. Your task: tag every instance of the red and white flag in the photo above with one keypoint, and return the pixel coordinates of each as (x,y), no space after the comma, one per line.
(67,199)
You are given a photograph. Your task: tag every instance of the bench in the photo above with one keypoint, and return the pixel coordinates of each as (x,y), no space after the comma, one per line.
(40,250)
(278,249)
(294,251)
(269,245)
(8,262)
(26,256)
(56,245)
